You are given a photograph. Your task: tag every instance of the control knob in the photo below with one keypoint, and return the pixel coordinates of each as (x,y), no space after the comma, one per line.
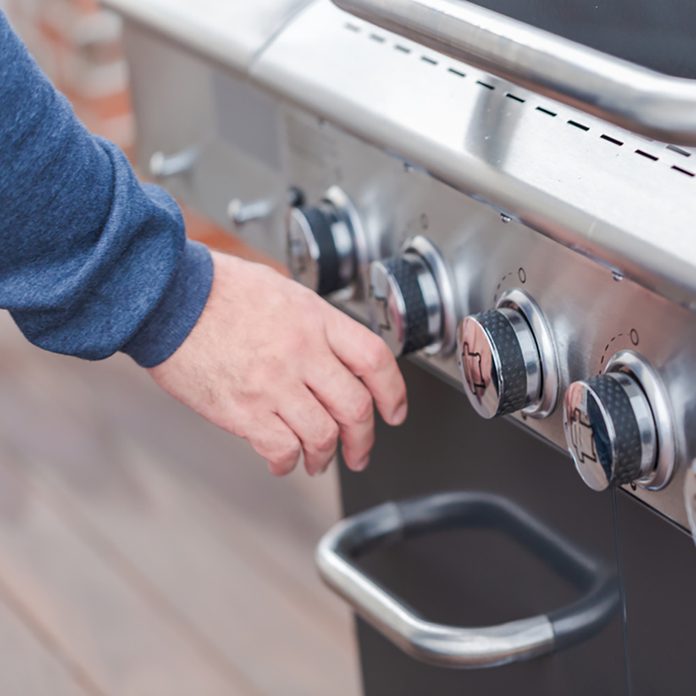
(507,359)
(321,247)
(610,430)
(500,362)
(410,299)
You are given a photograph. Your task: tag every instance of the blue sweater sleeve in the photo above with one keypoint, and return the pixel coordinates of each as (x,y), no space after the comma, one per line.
(92,261)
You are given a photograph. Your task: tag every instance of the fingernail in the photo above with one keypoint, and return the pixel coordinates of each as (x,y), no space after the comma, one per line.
(400,414)
(362,464)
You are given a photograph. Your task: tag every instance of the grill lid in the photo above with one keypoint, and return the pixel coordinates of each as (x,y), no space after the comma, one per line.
(657,35)
(232,31)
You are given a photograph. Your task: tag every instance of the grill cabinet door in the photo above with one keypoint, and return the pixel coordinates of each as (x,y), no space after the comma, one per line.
(480,576)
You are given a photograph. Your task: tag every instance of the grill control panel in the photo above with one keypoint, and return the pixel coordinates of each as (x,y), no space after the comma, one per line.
(526,327)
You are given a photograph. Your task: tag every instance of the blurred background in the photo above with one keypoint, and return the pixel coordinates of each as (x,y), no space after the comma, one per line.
(142,551)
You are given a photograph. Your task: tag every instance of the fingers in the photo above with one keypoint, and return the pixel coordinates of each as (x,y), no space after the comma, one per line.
(277,444)
(368,357)
(317,431)
(349,402)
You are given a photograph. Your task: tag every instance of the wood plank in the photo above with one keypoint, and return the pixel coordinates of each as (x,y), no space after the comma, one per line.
(31,665)
(95,618)
(188,516)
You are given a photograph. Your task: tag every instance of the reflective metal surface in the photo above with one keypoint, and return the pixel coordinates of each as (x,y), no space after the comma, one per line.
(426,249)
(480,571)
(630,362)
(568,175)
(620,92)
(500,363)
(658,36)
(589,312)
(167,166)
(516,191)
(522,197)
(321,246)
(521,302)
(454,646)
(405,305)
(610,430)
(242,213)
(179,99)
(231,31)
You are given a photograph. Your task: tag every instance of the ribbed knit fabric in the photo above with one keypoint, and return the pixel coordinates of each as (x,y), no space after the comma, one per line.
(91,261)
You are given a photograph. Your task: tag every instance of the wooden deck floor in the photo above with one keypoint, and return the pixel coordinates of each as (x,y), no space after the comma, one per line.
(145,553)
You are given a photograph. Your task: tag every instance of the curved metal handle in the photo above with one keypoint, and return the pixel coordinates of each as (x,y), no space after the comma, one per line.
(633,97)
(451,646)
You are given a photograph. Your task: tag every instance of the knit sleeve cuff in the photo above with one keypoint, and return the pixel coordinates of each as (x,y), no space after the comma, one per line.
(172,320)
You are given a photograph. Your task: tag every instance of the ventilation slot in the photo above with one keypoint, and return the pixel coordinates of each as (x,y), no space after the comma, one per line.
(455,72)
(679,151)
(581,126)
(611,140)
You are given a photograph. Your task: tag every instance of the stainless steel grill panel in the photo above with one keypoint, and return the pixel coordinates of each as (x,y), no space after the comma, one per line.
(517,191)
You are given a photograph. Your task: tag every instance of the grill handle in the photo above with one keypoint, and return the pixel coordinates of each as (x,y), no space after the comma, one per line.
(450,646)
(636,98)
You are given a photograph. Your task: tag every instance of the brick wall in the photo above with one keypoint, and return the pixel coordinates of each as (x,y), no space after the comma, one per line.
(78,44)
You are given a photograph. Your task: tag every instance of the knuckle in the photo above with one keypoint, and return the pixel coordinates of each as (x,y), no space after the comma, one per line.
(327,439)
(376,355)
(361,408)
(285,460)
(251,390)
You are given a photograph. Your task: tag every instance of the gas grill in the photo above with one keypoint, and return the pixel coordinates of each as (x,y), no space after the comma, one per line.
(505,192)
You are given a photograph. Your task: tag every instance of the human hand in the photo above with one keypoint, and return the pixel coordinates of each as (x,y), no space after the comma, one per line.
(273,363)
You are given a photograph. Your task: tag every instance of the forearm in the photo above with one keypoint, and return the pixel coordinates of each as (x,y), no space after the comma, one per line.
(92,261)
